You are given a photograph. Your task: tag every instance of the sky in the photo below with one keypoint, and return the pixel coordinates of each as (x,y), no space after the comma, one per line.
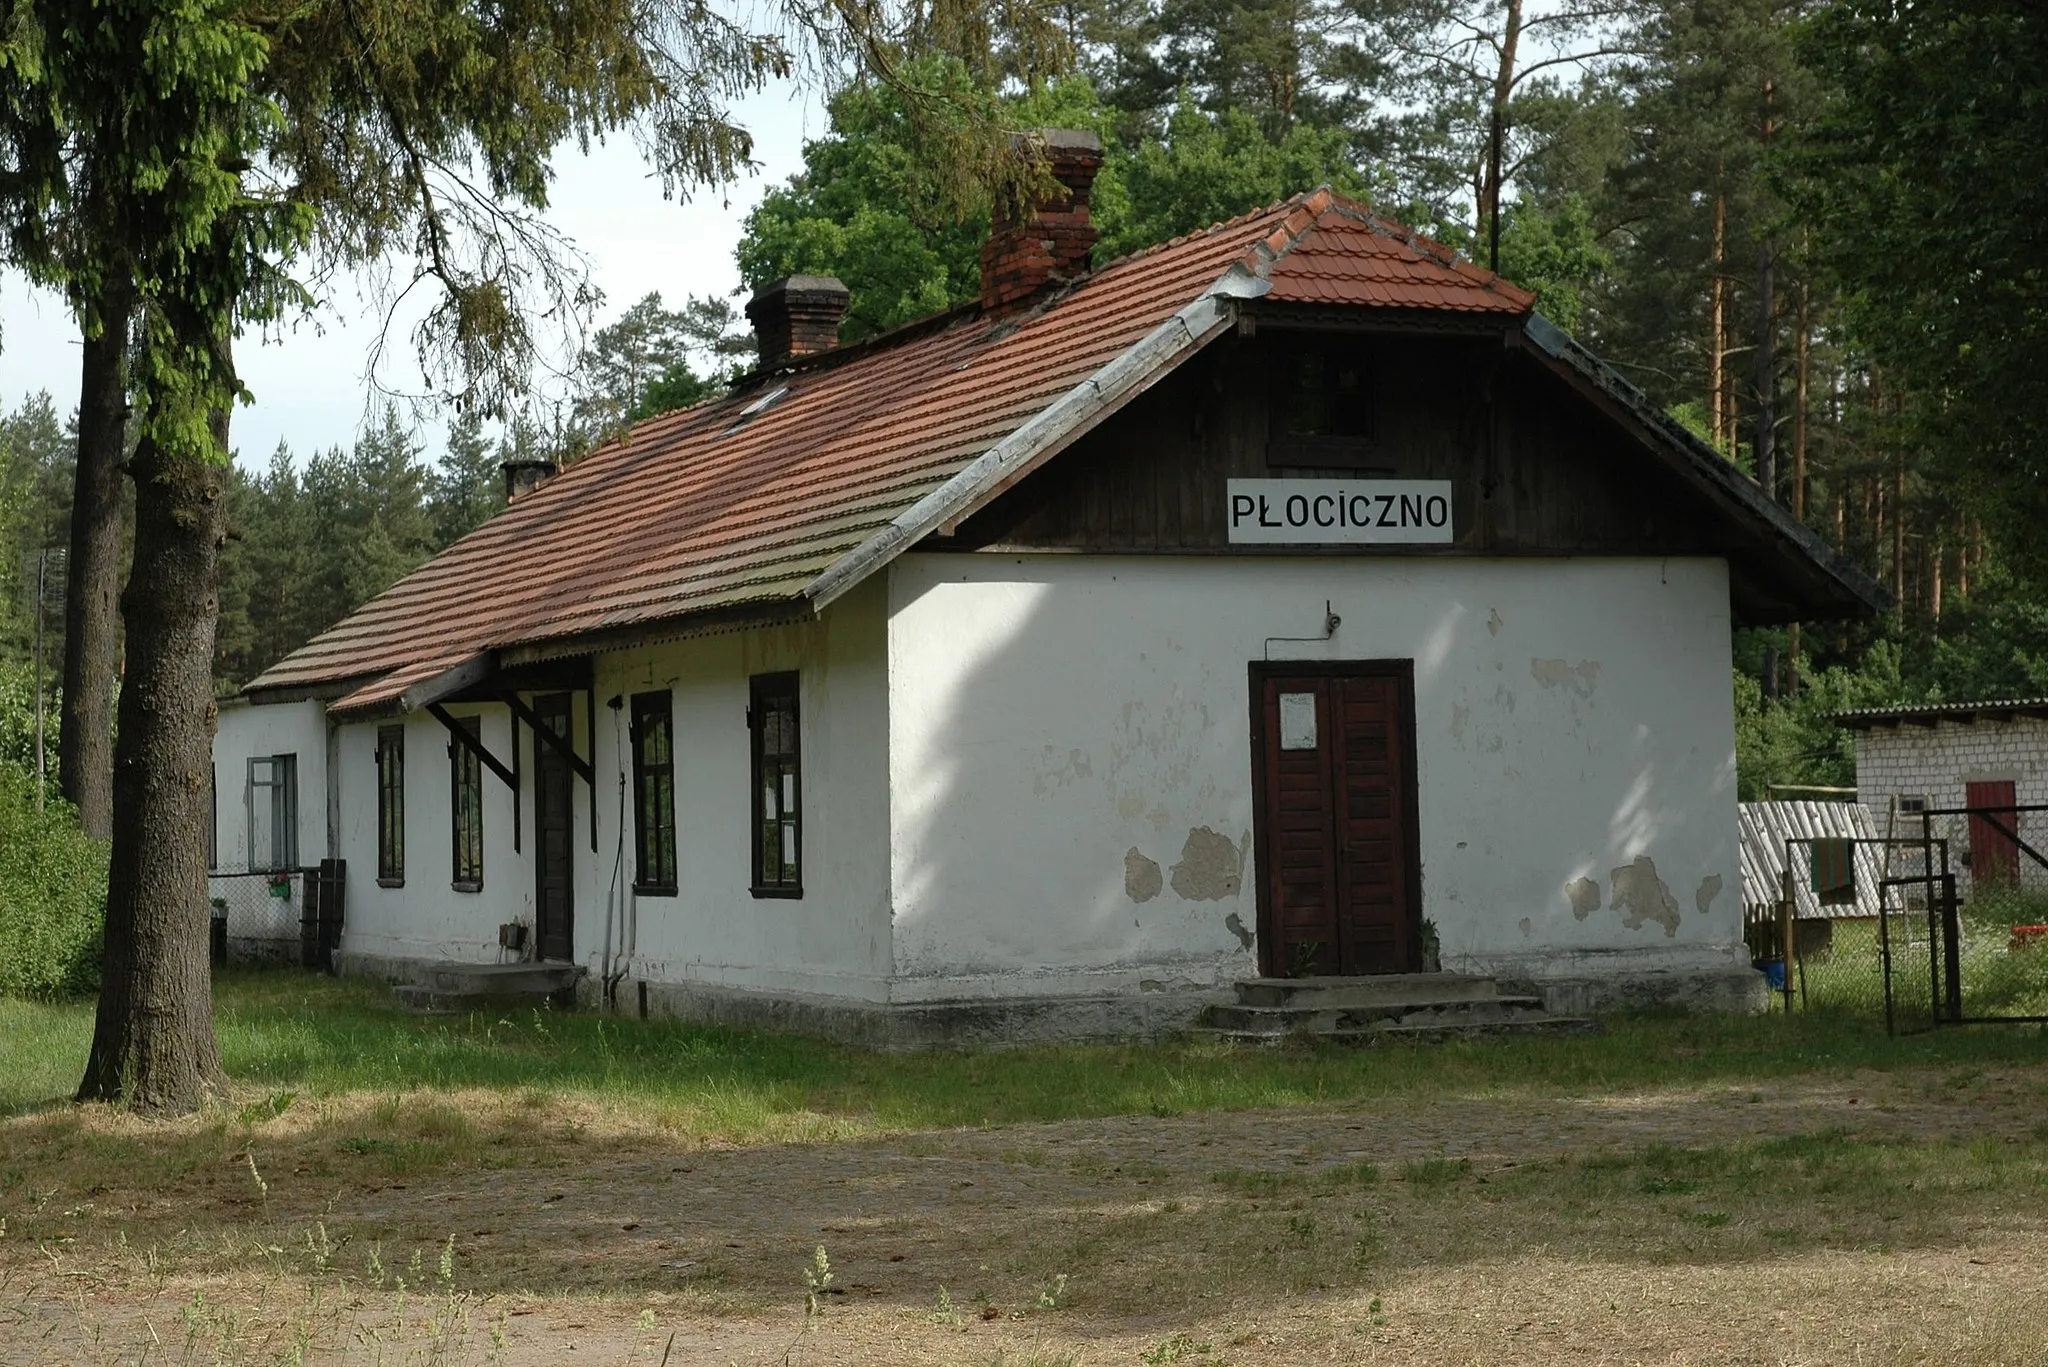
(310,384)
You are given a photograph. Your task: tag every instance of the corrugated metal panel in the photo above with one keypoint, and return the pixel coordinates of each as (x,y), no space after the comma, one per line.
(1766,826)
(2002,710)
(707,509)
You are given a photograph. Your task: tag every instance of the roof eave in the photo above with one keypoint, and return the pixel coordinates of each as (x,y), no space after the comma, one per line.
(1860,594)
(1046,433)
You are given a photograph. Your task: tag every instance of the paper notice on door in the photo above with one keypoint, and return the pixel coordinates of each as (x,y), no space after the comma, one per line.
(1297,721)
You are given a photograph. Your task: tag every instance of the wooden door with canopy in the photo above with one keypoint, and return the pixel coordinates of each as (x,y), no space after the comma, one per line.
(1333,751)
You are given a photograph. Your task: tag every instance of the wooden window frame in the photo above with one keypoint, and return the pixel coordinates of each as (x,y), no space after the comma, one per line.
(764,690)
(390,806)
(282,812)
(654,844)
(1299,450)
(465,771)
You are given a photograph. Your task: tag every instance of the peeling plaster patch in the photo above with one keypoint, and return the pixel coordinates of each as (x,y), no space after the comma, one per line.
(1493,622)
(1585,896)
(1211,867)
(1640,895)
(1461,716)
(1527,929)
(1710,888)
(1141,876)
(1235,926)
(1056,771)
(1580,678)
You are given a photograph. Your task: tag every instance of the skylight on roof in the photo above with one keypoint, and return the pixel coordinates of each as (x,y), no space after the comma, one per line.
(757,408)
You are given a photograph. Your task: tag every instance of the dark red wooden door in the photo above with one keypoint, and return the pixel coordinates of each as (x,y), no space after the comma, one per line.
(554,828)
(1337,813)
(1994,858)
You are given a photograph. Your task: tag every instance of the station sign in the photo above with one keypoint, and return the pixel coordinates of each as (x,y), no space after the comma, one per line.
(1339,512)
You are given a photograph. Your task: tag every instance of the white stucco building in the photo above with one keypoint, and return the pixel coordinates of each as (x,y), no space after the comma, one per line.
(1288,599)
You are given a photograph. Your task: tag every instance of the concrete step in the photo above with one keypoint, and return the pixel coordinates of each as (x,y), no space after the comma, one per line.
(1388,1032)
(1390,989)
(1320,1020)
(465,987)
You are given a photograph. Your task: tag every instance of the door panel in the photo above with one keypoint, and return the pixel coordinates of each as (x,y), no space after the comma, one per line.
(554,798)
(1994,859)
(1336,812)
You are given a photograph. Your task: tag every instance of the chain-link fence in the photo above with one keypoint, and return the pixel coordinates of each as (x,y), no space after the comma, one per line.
(257,914)
(1930,956)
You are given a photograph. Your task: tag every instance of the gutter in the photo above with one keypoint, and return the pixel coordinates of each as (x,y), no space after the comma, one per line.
(1046,434)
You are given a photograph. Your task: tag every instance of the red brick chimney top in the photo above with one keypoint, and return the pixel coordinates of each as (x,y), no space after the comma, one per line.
(1051,246)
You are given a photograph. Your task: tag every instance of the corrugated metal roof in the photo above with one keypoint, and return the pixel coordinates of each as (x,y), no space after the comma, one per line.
(706,509)
(1861,718)
(1766,826)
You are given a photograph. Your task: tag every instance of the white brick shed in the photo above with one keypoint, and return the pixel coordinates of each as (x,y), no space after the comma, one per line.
(1951,755)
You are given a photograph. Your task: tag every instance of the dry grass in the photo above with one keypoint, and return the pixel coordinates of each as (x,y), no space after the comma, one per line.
(1528,1207)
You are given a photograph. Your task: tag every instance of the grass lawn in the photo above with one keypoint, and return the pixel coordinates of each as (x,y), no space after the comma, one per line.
(558,1187)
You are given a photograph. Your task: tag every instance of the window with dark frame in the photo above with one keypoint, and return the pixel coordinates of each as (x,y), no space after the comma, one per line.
(654,794)
(273,812)
(778,792)
(391,806)
(1322,410)
(466,791)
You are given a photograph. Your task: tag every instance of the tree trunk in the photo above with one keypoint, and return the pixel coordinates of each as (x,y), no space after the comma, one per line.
(1716,342)
(1497,128)
(153,1043)
(92,623)
(1766,444)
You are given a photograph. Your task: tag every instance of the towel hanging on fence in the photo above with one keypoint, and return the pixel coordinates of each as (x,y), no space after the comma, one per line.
(1834,870)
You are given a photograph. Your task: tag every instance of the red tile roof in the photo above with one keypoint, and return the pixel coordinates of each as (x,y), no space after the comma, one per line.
(709,508)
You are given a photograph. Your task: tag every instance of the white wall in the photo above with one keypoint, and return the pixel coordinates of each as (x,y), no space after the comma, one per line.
(1936,762)
(247,731)
(834,939)
(1052,714)
(426,917)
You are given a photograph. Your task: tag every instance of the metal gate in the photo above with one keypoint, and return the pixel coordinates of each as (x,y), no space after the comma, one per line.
(1986,960)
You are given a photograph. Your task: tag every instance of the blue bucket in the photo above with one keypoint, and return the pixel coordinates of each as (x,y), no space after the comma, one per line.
(1773,971)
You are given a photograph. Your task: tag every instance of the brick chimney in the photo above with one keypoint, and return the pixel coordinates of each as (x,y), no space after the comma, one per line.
(1052,245)
(797,316)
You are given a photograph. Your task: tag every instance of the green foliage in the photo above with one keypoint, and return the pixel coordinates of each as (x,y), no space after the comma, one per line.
(1209,167)
(640,364)
(1555,253)
(1924,176)
(871,208)
(310,544)
(53,894)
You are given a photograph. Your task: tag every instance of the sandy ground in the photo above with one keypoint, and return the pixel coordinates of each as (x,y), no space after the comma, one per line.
(1237,1237)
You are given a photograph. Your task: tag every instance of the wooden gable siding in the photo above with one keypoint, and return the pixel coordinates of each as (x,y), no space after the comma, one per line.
(1540,472)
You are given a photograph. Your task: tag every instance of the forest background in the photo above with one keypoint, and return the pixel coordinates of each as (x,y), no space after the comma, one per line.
(1681,181)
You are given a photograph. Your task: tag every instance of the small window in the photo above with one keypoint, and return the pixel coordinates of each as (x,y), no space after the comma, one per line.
(391,806)
(1912,806)
(273,812)
(778,820)
(466,790)
(1322,406)
(654,794)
